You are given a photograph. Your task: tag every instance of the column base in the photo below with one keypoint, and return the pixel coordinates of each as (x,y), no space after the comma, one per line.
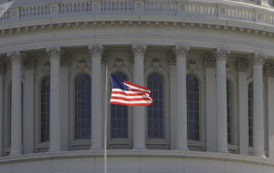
(16,152)
(182,148)
(139,147)
(54,150)
(222,150)
(96,147)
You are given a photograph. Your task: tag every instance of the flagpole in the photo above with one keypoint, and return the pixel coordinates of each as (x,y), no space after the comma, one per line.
(105,123)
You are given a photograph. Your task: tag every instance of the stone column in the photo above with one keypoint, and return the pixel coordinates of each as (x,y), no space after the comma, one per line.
(139,124)
(242,66)
(55,121)
(258,103)
(64,102)
(16,103)
(172,104)
(269,71)
(181,124)
(221,104)
(210,84)
(28,121)
(97,115)
(2,68)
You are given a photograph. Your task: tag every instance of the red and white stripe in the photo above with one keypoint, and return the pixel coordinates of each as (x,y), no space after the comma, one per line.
(136,96)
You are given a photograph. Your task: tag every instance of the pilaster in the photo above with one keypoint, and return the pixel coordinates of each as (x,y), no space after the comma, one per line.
(242,67)
(210,84)
(181,124)
(2,67)
(139,51)
(28,121)
(16,104)
(258,102)
(96,52)
(55,119)
(221,102)
(269,73)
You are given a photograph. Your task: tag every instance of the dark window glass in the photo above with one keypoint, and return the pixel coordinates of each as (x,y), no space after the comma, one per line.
(119,117)
(45,108)
(155,120)
(193,107)
(250,114)
(229,111)
(83,106)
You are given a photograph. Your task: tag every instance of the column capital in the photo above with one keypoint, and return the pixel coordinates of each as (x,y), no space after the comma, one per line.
(15,56)
(30,62)
(139,49)
(222,54)
(259,59)
(54,52)
(242,64)
(209,60)
(269,68)
(181,50)
(96,50)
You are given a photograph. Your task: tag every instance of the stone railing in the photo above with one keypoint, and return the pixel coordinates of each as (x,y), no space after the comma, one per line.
(226,10)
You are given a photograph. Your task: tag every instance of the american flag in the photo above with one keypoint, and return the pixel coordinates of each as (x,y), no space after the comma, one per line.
(128,94)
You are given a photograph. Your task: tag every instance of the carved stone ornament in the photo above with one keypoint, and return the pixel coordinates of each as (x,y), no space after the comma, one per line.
(222,54)
(171,58)
(209,60)
(15,57)
(192,65)
(96,50)
(242,64)
(139,49)
(118,63)
(259,59)
(181,51)
(65,59)
(155,63)
(82,64)
(54,52)
(46,68)
(30,62)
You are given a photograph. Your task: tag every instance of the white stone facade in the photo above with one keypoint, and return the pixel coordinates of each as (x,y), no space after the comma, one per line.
(225,44)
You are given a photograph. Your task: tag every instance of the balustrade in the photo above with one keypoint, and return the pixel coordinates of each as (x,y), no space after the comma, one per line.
(201,9)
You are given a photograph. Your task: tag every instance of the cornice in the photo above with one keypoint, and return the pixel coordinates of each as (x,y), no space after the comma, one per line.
(145,22)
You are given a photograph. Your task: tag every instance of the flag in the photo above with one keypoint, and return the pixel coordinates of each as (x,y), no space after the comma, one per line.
(128,94)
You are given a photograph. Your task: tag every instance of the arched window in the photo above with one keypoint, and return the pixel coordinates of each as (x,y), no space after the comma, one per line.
(155,119)
(119,117)
(229,111)
(82,106)
(250,114)
(193,107)
(45,109)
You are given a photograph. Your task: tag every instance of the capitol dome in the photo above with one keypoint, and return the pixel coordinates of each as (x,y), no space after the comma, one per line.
(209,65)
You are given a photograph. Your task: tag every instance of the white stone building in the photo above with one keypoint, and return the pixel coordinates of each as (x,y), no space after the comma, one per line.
(209,64)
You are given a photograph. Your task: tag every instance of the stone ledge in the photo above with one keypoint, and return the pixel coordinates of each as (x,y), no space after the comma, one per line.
(140,153)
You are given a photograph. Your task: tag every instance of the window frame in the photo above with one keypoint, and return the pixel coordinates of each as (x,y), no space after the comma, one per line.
(159,143)
(73,143)
(199,90)
(120,143)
